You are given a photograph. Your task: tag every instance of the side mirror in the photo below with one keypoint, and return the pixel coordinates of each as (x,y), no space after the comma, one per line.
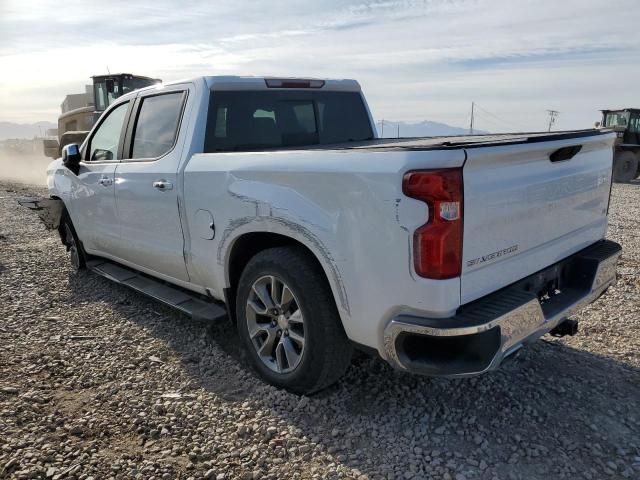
(71,157)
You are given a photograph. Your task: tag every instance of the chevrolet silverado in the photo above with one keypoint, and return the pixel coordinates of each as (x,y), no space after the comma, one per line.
(271,202)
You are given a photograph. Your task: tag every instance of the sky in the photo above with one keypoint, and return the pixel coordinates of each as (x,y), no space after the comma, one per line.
(415,60)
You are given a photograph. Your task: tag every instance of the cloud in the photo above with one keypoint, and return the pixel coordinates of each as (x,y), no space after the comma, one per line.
(415,59)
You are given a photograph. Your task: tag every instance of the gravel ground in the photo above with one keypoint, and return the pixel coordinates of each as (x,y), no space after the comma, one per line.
(99,382)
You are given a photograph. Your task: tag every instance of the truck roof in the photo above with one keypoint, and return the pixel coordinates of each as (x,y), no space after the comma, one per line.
(235,82)
(266,83)
(126,75)
(632,110)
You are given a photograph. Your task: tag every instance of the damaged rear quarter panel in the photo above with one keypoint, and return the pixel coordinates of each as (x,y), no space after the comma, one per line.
(346,207)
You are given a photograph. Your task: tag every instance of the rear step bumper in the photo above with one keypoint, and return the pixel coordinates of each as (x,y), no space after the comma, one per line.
(484,332)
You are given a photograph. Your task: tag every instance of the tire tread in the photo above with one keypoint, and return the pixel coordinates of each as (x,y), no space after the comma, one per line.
(310,278)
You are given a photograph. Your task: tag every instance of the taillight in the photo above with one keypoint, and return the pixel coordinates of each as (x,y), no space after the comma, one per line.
(437,245)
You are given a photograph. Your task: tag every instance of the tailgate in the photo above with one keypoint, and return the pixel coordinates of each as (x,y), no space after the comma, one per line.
(524,212)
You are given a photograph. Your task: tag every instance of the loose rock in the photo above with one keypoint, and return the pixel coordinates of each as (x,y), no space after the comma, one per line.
(100,382)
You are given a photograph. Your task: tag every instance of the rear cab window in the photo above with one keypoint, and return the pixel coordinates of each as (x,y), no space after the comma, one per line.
(252,120)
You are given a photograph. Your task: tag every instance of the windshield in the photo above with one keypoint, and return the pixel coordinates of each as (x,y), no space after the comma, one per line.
(616,119)
(271,119)
(135,83)
(103,98)
(634,123)
(107,90)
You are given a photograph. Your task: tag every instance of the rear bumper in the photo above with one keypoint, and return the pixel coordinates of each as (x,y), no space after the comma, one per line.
(484,332)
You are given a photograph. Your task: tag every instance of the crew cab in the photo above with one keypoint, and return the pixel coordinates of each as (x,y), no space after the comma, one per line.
(270,201)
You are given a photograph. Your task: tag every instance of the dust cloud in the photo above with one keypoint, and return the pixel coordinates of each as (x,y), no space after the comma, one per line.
(27,168)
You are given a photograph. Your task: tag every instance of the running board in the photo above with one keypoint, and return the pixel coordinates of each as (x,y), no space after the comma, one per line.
(187,302)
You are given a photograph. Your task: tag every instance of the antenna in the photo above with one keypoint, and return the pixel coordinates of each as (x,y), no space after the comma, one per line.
(553,116)
(108,70)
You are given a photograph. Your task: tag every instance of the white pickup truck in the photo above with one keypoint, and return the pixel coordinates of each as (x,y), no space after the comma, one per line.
(272,202)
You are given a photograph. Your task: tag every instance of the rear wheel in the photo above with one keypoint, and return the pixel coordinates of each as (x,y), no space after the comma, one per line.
(288,321)
(625,167)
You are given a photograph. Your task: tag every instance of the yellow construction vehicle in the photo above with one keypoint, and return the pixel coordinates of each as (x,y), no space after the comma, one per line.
(626,159)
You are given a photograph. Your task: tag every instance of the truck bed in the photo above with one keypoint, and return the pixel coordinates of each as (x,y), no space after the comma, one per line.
(529,212)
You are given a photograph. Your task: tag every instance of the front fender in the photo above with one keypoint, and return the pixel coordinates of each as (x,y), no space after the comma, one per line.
(48,209)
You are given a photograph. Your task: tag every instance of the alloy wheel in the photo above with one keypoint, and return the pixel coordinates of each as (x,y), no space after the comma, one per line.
(275,324)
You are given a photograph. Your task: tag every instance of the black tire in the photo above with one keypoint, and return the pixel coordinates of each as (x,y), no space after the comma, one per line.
(327,350)
(69,237)
(625,167)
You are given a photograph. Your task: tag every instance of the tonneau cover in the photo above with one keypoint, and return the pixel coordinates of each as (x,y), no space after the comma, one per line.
(452,142)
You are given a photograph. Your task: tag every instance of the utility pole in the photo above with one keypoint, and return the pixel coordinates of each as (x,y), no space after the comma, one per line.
(382,129)
(471,124)
(553,116)
(398,125)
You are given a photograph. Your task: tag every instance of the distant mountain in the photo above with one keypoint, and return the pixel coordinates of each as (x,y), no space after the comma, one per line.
(24,130)
(421,129)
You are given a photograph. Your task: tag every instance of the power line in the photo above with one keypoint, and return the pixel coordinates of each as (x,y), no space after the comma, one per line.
(471,119)
(495,117)
(494,122)
(510,124)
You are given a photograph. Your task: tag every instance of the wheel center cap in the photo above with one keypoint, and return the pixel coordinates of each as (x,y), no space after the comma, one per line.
(283,322)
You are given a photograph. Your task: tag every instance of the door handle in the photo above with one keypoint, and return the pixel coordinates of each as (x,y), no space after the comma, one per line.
(162,185)
(105,181)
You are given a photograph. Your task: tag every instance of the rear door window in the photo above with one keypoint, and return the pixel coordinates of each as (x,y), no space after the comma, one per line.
(268,119)
(156,127)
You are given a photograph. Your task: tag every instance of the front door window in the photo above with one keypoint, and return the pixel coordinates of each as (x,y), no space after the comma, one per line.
(105,141)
